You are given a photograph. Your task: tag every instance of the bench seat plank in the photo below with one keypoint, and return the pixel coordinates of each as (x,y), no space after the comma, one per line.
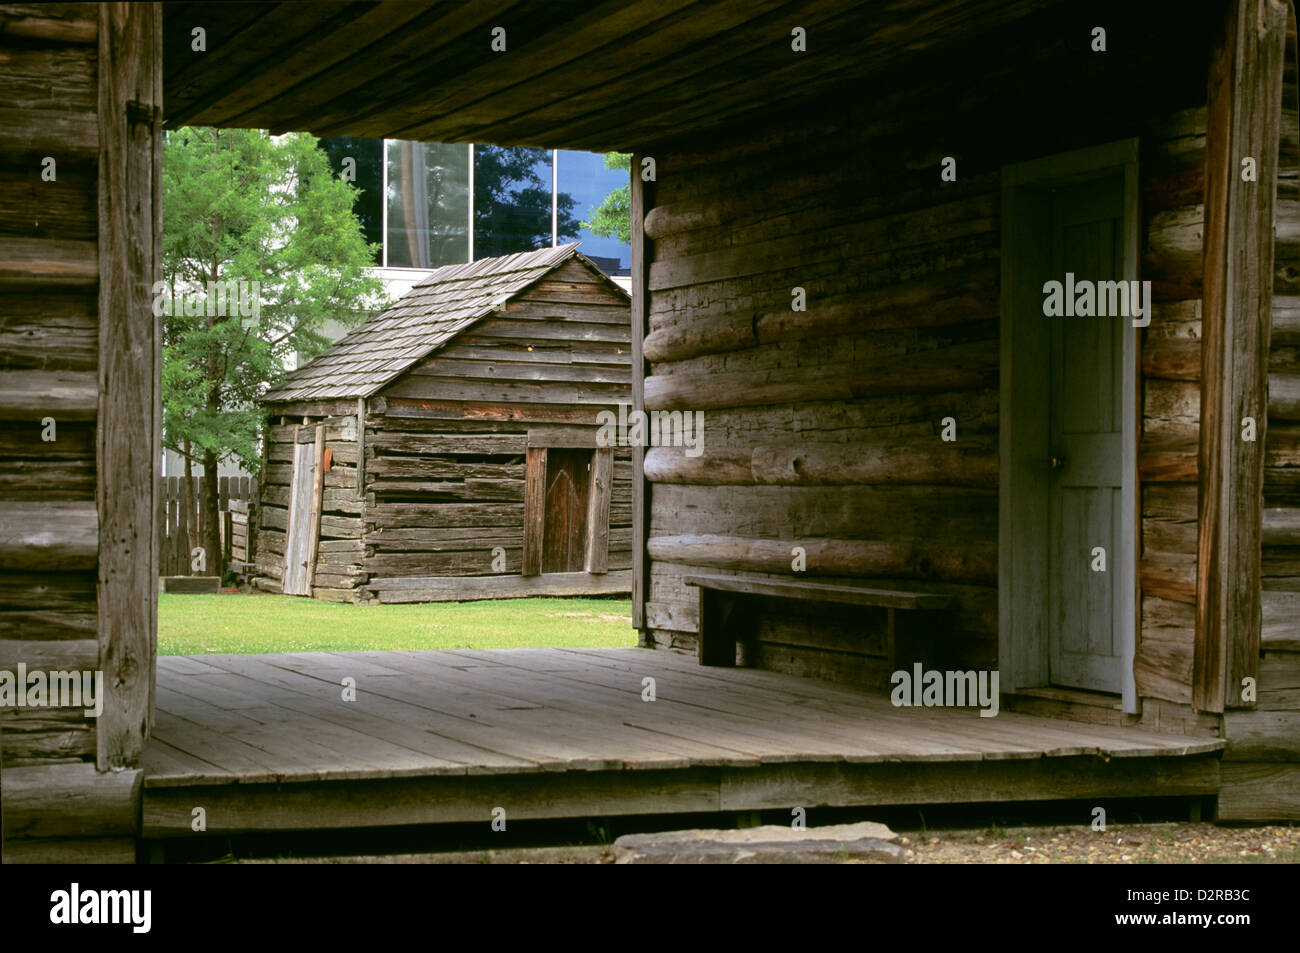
(824,592)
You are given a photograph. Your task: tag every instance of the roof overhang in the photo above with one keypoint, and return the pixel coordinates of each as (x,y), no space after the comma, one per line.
(601,76)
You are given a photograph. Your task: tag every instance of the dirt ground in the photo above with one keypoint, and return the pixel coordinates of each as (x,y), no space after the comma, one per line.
(1167,843)
(1164,843)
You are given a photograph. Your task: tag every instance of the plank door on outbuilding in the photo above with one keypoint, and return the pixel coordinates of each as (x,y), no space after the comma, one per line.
(303,532)
(564,521)
(567,494)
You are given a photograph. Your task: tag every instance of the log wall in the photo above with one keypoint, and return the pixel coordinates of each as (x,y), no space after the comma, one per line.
(74,264)
(823,427)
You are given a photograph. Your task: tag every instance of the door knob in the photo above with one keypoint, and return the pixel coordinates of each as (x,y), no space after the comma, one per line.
(1056,462)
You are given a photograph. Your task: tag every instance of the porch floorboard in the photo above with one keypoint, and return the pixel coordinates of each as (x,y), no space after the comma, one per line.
(269,742)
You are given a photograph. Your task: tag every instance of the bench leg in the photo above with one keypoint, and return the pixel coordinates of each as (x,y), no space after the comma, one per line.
(716,643)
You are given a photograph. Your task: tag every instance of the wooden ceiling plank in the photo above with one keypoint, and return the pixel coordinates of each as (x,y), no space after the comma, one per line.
(733,34)
(245,74)
(314,58)
(612,24)
(179,21)
(390,72)
(709,98)
(229,58)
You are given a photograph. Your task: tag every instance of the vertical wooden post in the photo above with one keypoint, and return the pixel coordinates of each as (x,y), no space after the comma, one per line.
(317,505)
(361,448)
(1243,122)
(596,558)
(642,200)
(534,509)
(127,432)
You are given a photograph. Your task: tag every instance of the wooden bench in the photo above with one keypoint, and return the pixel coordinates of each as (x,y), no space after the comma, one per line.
(721,613)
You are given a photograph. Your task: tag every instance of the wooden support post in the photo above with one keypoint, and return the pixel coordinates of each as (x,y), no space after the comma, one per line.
(1243,122)
(716,644)
(596,558)
(317,503)
(128,440)
(642,200)
(361,448)
(534,509)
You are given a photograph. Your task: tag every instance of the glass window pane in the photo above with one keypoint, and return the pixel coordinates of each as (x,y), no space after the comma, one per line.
(428,204)
(599,208)
(367,154)
(512,201)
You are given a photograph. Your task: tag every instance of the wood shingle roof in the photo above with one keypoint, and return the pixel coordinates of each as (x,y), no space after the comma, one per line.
(371,356)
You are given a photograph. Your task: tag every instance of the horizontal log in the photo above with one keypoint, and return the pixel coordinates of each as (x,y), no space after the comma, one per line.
(672,616)
(1285,331)
(501,370)
(466,588)
(48,624)
(48,536)
(65,655)
(433,515)
(853,511)
(70,800)
(973,562)
(490,490)
(1262,735)
(1172,358)
(949,297)
(50,332)
(422,468)
(47,264)
(88,850)
(1281,526)
(1281,621)
(972,461)
(1169,575)
(530,412)
(951,220)
(55,25)
(1284,397)
(460,562)
(49,592)
(29,133)
(1168,457)
(33,735)
(966,367)
(1258,791)
(63,395)
(486,444)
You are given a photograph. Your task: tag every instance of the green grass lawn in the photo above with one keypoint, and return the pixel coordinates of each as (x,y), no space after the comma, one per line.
(240,624)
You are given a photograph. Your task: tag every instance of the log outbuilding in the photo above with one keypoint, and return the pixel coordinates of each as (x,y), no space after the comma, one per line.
(446,449)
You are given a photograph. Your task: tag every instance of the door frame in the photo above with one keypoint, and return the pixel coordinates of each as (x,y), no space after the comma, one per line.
(1023,645)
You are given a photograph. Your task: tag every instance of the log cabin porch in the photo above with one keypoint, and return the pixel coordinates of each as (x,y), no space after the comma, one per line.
(267,743)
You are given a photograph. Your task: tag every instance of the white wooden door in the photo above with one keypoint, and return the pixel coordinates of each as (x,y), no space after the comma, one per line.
(1085,436)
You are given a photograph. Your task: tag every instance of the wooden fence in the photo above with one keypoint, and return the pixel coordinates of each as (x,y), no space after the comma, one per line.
(179,531)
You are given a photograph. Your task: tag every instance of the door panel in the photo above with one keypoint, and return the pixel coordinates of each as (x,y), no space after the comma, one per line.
(1085,413)
(298,541)
(564,533)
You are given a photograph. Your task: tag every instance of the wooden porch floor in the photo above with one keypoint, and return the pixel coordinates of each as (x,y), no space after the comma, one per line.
(268,742)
